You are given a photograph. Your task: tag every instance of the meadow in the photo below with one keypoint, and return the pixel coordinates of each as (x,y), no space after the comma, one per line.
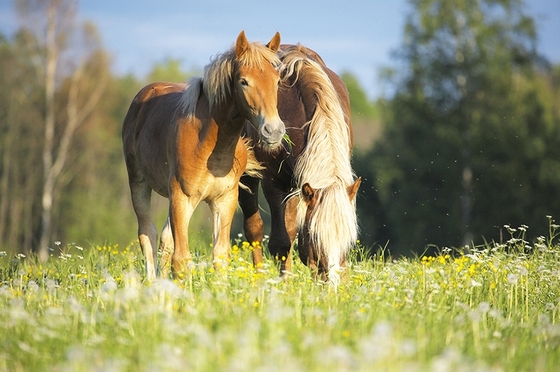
(489,308)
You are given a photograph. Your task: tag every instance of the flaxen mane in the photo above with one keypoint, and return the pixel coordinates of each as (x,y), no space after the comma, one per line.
(325,163)
(218,75)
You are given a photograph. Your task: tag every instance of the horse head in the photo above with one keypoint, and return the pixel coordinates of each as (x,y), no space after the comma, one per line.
(255,87)
(319,242)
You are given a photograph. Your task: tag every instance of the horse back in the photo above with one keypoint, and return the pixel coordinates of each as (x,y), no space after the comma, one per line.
(337,82)
(147,130)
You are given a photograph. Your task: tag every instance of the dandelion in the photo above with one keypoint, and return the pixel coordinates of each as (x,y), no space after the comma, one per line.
(408,348)
(484,307)
(32,286)
(512,279)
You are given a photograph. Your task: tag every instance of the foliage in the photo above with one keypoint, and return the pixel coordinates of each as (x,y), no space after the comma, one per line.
(21,104)
(471,137)
(91,200)
(493,308)
(168,70)
(361,107)
(366,115)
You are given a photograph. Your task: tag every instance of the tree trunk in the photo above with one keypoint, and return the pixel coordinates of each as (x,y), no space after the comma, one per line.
(48,176)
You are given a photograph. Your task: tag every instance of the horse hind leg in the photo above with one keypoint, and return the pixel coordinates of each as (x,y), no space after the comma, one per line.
(147,233)
(283,226)
(166,248)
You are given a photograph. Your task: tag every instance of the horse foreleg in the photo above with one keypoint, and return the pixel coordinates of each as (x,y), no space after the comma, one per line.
(252,222)
(290,223)
(166,248)
(147,232)
(281,236)
(223,210)
(181,209)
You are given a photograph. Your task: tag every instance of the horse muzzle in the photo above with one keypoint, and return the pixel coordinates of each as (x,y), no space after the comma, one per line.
(272,133)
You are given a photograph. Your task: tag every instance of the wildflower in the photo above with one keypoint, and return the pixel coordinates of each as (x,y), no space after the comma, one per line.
(512,278)
(474,283)
(32,286)
(51,285)
(484,307)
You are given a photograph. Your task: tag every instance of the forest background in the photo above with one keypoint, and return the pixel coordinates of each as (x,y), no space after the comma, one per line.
(466,143)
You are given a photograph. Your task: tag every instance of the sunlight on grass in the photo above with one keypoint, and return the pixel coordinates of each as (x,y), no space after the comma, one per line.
(489,308)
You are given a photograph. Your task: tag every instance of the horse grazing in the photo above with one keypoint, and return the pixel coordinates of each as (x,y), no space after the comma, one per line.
(183,141)
(308,182)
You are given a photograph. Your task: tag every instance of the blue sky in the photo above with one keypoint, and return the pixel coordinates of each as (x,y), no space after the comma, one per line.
(356,36)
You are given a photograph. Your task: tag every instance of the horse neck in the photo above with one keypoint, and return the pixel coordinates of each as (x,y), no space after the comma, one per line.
(224,129)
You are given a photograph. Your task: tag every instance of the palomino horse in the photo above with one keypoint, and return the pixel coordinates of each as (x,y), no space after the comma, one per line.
(308,181)
(183,141)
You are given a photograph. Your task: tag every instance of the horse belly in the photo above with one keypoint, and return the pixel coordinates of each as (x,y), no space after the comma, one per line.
(155,169)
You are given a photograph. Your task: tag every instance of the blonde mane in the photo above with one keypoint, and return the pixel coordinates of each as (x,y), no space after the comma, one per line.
(217,79)
(325,163)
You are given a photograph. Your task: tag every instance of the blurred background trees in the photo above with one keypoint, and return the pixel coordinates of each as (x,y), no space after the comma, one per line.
(468,139)
(471,137)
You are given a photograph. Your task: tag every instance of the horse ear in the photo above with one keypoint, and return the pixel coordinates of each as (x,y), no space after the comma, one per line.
(308,193)
(352,190)
(241,44)
(274,43)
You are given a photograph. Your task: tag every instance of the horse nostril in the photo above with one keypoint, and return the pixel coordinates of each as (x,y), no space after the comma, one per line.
(266,131)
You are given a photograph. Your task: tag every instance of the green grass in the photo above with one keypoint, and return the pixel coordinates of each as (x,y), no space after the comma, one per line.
(495,308)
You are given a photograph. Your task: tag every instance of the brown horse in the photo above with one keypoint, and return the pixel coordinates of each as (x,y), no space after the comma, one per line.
(183,141)
(308,181)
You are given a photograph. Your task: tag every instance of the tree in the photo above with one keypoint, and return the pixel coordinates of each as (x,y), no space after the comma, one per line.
(365,114)
(61,58)
(21,107)
(168,70)
(468,145)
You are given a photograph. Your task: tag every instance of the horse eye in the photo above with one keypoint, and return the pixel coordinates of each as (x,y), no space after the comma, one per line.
(244,82)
